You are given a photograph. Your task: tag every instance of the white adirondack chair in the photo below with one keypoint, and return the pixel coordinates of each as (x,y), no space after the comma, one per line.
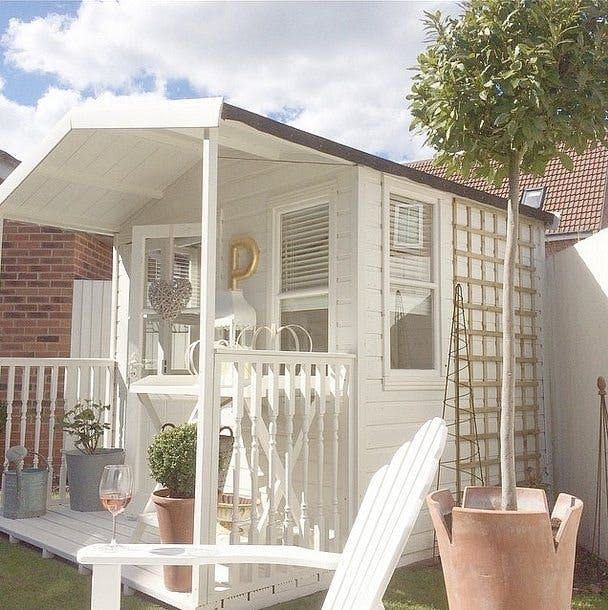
(363,570)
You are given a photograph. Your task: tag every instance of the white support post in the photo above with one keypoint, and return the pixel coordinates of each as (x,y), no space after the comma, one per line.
(105,588)
(205,503)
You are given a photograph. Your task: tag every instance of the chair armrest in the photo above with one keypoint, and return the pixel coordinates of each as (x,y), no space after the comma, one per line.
(192,554)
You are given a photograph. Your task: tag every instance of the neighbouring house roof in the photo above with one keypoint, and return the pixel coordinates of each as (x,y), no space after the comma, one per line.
(579,196)
(7,164)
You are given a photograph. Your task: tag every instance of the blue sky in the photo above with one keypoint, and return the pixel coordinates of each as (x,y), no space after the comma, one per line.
(338,69)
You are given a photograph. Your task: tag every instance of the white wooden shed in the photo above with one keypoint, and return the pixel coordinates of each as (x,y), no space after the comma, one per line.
(358,257)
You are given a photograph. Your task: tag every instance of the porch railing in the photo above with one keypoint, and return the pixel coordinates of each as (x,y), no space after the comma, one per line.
(292,417)
(37,391)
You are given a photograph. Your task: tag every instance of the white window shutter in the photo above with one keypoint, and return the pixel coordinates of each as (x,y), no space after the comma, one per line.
(305,248)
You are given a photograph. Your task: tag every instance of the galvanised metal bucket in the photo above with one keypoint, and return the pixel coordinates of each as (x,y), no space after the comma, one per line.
(25,493)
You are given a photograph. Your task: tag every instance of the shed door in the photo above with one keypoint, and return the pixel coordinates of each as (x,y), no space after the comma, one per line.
(161,254)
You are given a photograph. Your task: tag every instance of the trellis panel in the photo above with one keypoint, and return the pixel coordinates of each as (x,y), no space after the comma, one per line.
(479,235)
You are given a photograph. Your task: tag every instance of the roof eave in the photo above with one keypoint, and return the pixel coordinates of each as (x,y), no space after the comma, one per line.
(324,145)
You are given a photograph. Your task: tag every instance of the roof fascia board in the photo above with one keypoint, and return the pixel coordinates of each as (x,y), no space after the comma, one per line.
(164,114)
(341,151)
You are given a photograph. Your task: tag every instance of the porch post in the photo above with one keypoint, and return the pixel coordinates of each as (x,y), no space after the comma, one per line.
(208,415)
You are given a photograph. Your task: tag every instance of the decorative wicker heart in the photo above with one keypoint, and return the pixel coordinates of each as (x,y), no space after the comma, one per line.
(169,298)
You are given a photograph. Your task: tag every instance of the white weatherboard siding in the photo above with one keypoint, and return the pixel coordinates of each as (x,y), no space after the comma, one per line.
(577,284)
(390,415)
(392,407)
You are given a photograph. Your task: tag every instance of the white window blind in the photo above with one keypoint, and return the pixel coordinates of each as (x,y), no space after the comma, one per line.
(411,229)
(305,248)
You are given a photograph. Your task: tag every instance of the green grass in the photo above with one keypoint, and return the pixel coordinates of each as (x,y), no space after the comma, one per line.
(28,582)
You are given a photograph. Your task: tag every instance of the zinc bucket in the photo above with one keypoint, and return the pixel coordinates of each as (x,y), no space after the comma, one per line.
(25,493)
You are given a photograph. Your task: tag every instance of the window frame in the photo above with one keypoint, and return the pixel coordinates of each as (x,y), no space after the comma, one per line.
(300,200)
(394,190)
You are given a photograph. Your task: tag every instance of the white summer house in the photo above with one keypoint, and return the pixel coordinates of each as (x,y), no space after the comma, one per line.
(317,327)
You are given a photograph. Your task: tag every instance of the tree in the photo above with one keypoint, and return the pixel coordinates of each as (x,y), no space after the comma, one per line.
(503,88)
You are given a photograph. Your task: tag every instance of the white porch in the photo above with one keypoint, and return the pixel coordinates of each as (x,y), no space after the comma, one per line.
(173,180)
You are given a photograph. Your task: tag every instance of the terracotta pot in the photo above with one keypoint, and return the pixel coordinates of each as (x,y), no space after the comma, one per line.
(506,560)
(175,522)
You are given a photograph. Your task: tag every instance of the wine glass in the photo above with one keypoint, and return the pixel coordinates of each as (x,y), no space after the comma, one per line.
(115,489)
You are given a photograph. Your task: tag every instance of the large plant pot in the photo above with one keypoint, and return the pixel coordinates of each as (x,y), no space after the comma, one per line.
(84,475)
(176,523)
(506,560)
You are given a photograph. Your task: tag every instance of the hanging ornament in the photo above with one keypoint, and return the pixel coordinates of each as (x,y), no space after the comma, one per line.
(168,299)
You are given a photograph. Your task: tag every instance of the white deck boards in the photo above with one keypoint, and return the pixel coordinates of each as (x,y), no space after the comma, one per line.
(63,531)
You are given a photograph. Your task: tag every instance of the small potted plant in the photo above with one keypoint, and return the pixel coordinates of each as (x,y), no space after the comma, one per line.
(171,458)
(172,461)
(85,424)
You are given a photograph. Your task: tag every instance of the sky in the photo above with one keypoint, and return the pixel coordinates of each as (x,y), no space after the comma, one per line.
(337,69)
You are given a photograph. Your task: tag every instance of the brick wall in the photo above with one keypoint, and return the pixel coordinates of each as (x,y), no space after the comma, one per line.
(37,271)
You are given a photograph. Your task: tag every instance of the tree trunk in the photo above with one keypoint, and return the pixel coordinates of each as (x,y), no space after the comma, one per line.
(507,396)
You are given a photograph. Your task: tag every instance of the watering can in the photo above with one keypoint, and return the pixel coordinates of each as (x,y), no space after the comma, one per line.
(24,489)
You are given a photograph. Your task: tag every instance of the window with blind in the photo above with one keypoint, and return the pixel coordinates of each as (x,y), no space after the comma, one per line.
(181,332)
(412,285)
(304,273)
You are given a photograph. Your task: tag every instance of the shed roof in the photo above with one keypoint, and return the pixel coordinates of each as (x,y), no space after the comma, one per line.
(411,171)
(579,196)
(104,162)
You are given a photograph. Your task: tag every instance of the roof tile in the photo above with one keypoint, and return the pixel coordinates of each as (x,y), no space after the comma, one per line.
(577,195)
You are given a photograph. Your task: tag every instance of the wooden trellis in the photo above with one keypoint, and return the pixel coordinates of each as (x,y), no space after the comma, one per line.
(479,243)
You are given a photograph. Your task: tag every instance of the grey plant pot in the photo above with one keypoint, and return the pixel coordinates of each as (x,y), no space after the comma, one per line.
(84,475)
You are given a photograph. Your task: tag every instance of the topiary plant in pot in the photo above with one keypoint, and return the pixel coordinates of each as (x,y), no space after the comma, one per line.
(503,88)
(172,461)
(85,424)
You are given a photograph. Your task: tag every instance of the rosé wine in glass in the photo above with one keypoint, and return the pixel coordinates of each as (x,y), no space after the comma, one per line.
(115,489)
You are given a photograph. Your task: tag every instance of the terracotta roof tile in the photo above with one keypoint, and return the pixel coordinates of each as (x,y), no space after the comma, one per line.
(578,196)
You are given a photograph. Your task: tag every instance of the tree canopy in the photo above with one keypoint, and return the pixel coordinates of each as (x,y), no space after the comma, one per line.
(513,75)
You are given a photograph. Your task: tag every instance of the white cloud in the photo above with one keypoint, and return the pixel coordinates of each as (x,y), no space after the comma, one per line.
(342,67)
(22,127)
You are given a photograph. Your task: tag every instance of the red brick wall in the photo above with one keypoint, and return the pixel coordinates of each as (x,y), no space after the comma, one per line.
(37,270)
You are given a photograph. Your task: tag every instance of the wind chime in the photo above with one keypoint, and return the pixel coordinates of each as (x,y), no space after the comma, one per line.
(459,409)
(601,488)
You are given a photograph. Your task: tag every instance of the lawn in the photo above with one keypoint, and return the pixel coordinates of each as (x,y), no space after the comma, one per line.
(28,582)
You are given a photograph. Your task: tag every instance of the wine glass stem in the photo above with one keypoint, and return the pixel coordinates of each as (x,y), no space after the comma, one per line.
(113,543)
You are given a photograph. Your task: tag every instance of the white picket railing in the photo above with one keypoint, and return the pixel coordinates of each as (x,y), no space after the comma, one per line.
(291,414)
(37,391)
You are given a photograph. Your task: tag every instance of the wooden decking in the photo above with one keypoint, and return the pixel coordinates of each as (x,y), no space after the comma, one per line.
(62,532)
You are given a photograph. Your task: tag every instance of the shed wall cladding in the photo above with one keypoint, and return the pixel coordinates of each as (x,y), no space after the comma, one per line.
(479,243)
(472,242)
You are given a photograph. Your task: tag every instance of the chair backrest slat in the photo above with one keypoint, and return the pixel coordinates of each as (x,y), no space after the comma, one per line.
(385,521)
